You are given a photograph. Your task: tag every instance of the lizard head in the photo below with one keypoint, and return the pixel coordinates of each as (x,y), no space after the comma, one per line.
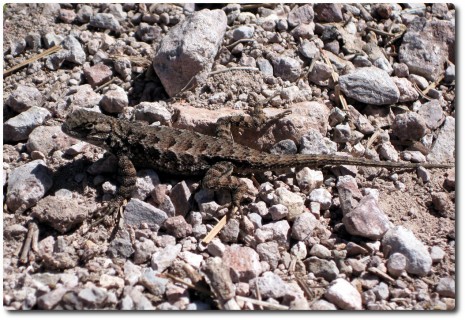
(89,126)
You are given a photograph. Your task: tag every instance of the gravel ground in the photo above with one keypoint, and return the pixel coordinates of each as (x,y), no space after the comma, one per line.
(374,81)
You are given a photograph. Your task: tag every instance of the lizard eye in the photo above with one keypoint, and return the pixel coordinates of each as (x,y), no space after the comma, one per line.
(89,126)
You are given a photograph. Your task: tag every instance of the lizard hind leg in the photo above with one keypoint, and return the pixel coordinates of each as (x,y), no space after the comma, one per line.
(219,177)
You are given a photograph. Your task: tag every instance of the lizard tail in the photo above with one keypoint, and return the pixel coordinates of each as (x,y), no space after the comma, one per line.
(273,162)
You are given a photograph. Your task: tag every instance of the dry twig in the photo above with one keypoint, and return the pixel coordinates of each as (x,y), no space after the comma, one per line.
(34,58)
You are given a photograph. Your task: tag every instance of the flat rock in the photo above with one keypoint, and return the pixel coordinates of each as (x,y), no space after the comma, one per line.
(62,214)
(104,21)
(137,212)
(432,113)
(402,240)
(162,259)
(305,116)
(27,184)
(270,285)
(57,140)
(370,85)
(19,127)
(97,74)
(243,263)
(427,45)
(85,97)
(188,50)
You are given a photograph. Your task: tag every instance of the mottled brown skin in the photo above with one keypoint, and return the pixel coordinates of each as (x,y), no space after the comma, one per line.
(187,153)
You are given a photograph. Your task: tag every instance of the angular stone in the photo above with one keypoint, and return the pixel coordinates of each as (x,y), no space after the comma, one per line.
(294,203)
(180,196)
(446,287)
(162,259)
(243,263)
(61,213)
(269,252)
(104,21)
(114,100)
(23,98)
(427,45)
(19,127)
(303,226)
(402,240)
(152,112)
(177,227)
(27,184)
(370,85)
(137,212)
(322,268)
(85,97)
(409,126)
(443,150)
(97,74)
(188,50)
(300,14)
(367,219)
(286,68)
(344,295)
(154,284)
(432,113)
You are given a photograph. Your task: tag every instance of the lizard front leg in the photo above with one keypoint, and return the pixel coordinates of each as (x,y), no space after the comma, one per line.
(127,180)
(219,177)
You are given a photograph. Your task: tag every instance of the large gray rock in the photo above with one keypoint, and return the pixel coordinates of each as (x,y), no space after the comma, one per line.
(23,98)
(402,240)
(27,184)
(370,85)
(137,212)
(57,140)
(19,127)
(427,45)
(188,50)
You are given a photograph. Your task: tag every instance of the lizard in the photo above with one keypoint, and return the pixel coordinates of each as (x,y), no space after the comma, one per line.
(218,159)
